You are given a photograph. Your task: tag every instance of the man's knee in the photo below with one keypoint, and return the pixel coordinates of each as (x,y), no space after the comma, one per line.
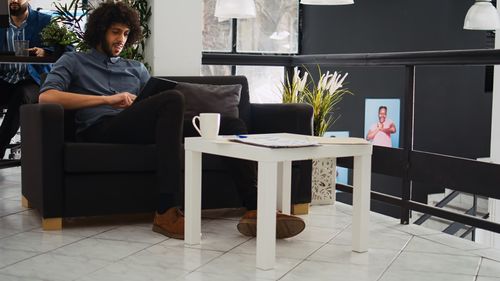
(170,96)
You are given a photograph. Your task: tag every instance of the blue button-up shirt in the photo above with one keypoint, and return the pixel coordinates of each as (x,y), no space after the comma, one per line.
(94,73)
(14,72)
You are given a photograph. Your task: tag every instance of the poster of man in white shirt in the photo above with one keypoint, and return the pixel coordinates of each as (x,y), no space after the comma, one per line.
(380,129)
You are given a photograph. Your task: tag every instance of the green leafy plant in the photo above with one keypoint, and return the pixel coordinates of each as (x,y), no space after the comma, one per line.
(323,96)
(73,14)
(55,34)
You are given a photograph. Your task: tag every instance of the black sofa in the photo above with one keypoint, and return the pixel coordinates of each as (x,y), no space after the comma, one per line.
(63,178)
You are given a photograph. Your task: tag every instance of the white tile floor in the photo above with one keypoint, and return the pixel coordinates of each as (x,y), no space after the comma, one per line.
(128,250)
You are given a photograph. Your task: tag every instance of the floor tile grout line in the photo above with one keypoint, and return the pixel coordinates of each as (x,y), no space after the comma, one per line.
(478,268)
(15,213)
(456,248)
(305,259)
(42,253)
(109,262)
(395,258)
(223,253)
(17,276)
(120,259)
(45,252)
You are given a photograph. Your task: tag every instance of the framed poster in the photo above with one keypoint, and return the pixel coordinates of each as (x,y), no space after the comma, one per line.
(382,121)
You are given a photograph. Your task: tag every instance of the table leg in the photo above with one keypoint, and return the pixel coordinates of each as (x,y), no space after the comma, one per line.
(284,186)
(266,214)
(192,198)
(361,203)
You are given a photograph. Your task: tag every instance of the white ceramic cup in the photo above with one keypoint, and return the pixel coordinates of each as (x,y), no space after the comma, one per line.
(209,125)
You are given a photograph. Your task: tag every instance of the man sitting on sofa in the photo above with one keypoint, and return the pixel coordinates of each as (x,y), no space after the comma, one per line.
(101,86)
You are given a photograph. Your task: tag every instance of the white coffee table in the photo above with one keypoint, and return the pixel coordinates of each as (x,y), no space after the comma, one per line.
(274,184)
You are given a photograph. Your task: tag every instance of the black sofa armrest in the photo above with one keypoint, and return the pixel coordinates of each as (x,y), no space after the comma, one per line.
(42,139)
(294,118)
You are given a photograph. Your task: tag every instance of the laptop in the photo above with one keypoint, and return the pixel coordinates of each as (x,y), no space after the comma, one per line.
(154,86)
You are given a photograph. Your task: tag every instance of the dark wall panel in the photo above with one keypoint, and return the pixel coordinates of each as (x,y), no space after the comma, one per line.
(451,105)
(452,110)
(388,26)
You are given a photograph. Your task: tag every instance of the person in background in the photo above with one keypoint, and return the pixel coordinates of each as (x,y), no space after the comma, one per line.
(19,83)
(101,86)
(380,132)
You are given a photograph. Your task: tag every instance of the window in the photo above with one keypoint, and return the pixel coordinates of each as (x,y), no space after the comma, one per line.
(264,82)
(216,34)
(274,31)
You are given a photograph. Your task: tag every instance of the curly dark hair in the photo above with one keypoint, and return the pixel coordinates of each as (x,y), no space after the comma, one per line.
(109,13)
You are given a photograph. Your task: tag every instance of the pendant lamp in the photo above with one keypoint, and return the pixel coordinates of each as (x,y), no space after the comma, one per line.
(482,16)
(239,9)
(327,2)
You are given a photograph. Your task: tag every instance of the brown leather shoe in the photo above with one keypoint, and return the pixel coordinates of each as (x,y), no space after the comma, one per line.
(286,226)
(170,223)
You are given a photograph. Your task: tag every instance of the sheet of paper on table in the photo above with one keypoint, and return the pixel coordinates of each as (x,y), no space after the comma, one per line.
(274,141)
(284,140)
(337,140)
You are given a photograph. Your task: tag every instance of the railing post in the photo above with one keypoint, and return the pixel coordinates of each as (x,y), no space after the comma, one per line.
(408,133)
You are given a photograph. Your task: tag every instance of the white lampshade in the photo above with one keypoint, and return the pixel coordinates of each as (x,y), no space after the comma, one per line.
(482,16)
(327,2)
(239,9)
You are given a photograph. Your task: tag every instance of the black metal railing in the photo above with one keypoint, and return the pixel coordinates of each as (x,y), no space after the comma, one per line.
(410,165)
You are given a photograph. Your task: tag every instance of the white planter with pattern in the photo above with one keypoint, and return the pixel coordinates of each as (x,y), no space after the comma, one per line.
(323,181)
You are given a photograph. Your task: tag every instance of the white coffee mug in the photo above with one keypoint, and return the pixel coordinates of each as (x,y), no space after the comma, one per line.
(209,125)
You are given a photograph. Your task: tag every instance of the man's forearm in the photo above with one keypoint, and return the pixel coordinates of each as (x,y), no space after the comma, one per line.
(71,100)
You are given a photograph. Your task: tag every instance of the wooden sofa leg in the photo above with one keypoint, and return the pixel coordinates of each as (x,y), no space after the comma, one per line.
(52,224)
(300,209)
(24,202)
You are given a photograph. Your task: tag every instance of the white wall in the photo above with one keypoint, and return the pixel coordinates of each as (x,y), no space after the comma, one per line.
(175,45)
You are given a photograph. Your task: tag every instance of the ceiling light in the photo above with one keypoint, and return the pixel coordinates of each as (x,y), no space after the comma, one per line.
(327,2)
(239,9)
(482,16)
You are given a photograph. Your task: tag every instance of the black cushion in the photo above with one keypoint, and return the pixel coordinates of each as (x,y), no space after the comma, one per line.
(243,107)
(200,98)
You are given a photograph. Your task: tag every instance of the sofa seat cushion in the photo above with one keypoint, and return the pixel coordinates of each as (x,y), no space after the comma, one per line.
(102,157)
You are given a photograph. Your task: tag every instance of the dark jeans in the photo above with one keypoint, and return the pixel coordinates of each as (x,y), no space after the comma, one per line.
(159,120)
(12,96)
(156,120)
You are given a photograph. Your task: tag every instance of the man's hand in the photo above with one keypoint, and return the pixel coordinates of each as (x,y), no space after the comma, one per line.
(39,52)
(121,100)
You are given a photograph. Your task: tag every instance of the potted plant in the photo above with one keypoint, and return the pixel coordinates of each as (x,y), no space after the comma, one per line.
(58,36)
(324,96)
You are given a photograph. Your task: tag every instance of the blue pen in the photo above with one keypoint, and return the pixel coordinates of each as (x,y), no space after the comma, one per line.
(241,136)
